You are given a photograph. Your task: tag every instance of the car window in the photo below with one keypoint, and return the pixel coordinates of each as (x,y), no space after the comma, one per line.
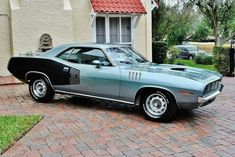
(65,55)
(73,57)
(85,56)
(184,49)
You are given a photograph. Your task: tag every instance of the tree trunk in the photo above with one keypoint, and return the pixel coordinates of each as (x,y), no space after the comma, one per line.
(216,32)
(217,40)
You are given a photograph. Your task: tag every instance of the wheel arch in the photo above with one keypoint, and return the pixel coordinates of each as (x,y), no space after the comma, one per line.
(35,74)
(191,55)
(152,88)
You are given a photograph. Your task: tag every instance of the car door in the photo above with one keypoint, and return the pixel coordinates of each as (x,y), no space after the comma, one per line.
(184,52)
(89,79)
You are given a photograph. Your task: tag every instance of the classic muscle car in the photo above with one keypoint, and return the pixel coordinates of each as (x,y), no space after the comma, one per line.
(116,73)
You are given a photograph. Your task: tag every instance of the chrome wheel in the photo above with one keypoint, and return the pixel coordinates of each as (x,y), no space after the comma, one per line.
(156,105)
(39,88)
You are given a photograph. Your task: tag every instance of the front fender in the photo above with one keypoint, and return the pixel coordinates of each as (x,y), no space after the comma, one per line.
(142,88)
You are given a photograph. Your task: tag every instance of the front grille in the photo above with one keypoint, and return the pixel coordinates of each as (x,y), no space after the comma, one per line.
(211,87)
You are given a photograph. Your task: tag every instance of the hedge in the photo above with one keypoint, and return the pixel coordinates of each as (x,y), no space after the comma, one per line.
(159,52)
(203,59)
(221,59)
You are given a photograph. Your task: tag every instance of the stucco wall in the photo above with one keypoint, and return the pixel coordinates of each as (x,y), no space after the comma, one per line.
(81,21)
(5,44)
(36,17)
(143,32)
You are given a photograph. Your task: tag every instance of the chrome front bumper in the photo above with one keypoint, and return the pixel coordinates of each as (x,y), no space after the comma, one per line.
(210,98)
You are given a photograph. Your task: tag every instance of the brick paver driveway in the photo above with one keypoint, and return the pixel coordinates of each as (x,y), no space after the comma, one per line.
(82,127)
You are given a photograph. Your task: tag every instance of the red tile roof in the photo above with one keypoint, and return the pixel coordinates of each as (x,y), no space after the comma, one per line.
(118,6)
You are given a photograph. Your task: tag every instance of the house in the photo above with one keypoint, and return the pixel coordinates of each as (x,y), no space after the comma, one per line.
(38,25)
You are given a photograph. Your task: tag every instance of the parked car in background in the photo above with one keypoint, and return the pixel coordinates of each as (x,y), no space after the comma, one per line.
(187,51)
(190,52)
(116,73)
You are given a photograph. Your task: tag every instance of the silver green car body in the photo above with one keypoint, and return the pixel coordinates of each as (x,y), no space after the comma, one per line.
(191,87)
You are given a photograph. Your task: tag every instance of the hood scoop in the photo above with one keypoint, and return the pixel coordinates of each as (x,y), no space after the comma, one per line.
(178,69)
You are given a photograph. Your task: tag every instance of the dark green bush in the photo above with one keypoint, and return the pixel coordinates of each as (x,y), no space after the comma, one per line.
(198,59)
(208,60)
(203,59)
(159,52)
(221,59)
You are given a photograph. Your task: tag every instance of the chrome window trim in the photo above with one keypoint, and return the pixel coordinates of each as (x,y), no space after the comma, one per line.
(113,64)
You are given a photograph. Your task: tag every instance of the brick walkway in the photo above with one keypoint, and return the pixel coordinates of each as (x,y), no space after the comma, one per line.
(82,127)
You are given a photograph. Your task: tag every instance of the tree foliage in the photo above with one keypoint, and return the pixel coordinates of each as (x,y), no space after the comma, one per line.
(173,23)
(161,22)
(202,32)
(221,17)
(181,21)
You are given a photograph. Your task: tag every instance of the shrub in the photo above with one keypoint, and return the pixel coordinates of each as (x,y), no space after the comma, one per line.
(221,59)
(203,59)
(208,60)
(159,52)
(173,53)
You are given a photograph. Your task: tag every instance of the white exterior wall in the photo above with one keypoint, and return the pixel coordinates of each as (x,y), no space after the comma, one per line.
(143,32)
(5,36)
(81,21)
(36,17)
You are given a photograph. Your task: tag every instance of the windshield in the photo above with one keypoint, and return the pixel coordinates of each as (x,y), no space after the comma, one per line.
(125,55)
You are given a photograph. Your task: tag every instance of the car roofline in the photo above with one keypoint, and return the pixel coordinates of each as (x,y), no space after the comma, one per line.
(95,45)
(53,52)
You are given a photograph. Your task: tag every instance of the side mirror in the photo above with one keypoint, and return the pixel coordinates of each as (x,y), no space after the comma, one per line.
(97,63)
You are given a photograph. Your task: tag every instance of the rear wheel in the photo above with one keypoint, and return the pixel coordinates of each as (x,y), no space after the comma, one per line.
(158,106)
(41,90)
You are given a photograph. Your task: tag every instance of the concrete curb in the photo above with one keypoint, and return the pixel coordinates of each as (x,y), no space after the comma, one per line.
(9,80)
(11,83)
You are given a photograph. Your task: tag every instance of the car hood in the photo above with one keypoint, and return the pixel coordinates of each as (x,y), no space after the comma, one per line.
(196,74)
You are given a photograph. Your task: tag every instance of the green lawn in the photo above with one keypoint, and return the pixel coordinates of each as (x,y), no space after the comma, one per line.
(193,64)
(13,128)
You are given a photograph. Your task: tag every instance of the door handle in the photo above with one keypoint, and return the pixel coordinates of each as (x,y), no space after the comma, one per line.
(66,69)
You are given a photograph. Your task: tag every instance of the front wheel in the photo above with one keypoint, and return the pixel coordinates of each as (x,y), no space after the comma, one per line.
(158,106)
(41,90)
(190,57)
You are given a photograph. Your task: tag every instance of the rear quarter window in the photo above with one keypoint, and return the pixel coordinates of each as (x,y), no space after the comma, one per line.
(65,55)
